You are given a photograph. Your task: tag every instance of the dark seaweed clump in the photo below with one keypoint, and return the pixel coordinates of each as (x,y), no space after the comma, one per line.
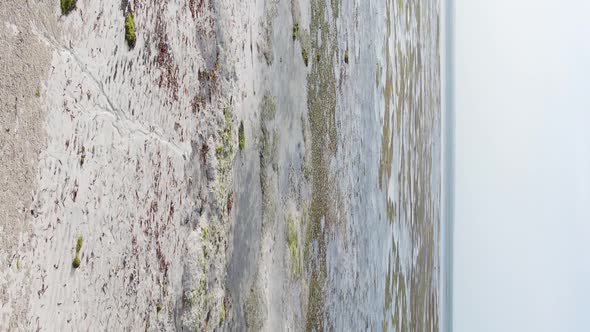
(67,6)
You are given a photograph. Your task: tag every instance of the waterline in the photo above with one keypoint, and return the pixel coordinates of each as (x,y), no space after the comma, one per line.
(448,138)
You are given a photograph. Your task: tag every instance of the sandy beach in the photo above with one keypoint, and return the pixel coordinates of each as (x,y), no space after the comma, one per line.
(135,151)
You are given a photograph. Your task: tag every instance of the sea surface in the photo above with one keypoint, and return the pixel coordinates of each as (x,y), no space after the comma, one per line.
(384,263)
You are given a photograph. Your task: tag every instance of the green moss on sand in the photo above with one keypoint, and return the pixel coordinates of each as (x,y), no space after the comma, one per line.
(241,136)
(295,31)
(130,30)
(79,243)
(222,313)
(67,6)
(304,55)
(76,262)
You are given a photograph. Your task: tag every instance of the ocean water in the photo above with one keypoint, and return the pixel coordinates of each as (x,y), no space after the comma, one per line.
(383,263)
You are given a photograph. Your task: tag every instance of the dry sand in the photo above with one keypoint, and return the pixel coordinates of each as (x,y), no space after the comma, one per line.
(130,149)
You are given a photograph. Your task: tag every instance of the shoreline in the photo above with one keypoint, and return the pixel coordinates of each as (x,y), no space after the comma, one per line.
(447,169)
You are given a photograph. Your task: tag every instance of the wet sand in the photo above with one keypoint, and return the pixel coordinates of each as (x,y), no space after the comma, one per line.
(24,62)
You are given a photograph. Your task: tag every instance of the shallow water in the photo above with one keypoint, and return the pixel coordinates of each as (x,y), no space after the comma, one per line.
(358,166)
(383,263)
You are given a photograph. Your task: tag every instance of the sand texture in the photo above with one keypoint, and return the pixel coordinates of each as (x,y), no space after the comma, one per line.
(130,149)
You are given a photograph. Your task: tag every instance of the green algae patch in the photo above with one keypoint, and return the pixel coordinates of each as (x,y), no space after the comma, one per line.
(295,31)
(130,36)
(205,234)
(305,56)
(76,262)
(241,136)
(222,313)
(67,6)
(79,243)
(225,149)
(225,153)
